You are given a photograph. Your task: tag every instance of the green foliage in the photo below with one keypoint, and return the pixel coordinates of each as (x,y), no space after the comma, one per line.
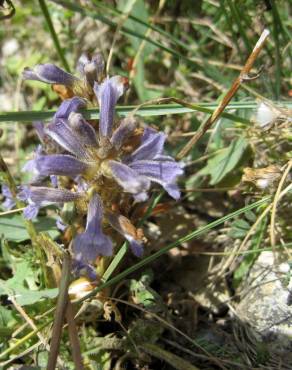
(224,162)
(143,294)
(145,331)
(13,229)
(22,288)
(7,321)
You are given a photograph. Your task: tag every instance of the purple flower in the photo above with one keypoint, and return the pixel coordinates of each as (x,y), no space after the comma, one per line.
(37,197)
(9,202)
(147,163)
(49,73)
(90,69)
(92,243)
(101,166)
(92,158)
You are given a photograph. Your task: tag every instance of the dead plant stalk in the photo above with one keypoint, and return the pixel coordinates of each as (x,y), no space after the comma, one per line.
(243,77)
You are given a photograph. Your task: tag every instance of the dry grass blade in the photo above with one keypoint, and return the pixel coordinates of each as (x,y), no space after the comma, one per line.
(243,76)
(275,203)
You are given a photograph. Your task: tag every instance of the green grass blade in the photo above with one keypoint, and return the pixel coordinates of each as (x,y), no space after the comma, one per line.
(145,111)
(124,248)
(175,244)
(156,110)
(53,33)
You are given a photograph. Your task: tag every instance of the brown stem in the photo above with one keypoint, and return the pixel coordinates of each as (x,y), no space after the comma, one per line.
(243,76)
(73,336)
(59,313)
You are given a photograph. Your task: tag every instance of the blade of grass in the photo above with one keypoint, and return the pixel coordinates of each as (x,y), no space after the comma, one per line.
(53,33)
(124,248)
(237,20)
(145,111)
(175,244)
(230,25)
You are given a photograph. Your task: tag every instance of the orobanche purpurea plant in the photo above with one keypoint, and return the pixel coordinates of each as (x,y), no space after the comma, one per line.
(101,172)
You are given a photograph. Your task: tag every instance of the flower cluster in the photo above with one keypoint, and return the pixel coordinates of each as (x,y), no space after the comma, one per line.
(98,172)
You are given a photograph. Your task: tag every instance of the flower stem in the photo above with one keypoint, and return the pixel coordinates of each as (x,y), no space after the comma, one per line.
(60,312)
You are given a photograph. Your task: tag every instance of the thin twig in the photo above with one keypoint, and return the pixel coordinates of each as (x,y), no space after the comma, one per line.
(243,76)
(275,204)
(239,249)
(11,211)
(59,313)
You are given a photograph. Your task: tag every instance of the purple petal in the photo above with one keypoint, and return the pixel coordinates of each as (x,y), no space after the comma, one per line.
(141,197)
(8,204)
(173,190)
(31,211)
(91,68)
(24,193)
(82,185)
(126,128)
(68,106)
(152,143)
(49,73)
(6,191)
(81,268)
(42,195)
(31,167)
(94,214)
(83,129)
(59,164)
(82,61)
(40,129)
(108,94)
(54,181)
(92,243)
(159,171)
(162,172)
(61,132)
(136,248)
(61,225)
(129,179)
